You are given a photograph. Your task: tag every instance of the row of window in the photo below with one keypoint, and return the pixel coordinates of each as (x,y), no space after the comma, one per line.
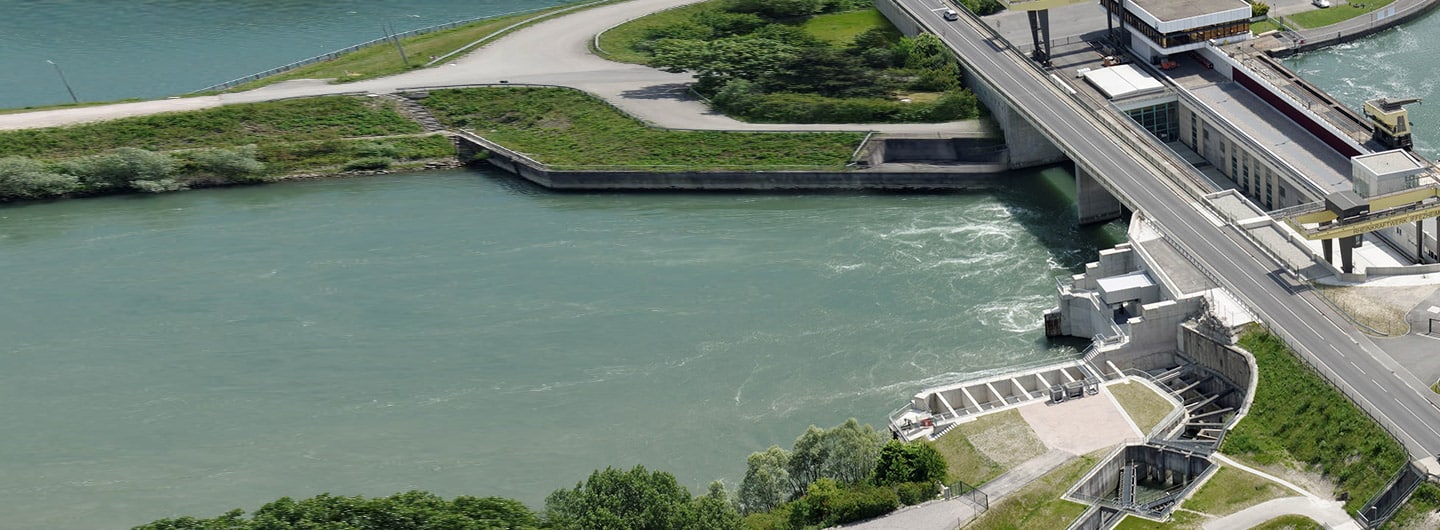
(1180,38)
(1262,188)
(1161,120)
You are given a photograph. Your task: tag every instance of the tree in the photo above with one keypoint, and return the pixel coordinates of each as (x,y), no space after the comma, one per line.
(717,62)
(23,178)
(778,8)
(413,510)
(846,453)
(620,500)
(901,462)
(767,481)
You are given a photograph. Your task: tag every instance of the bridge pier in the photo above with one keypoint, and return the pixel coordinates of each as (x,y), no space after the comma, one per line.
(1347,252)
(1093,202)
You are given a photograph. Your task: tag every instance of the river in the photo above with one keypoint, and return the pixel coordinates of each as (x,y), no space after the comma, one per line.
(464,333)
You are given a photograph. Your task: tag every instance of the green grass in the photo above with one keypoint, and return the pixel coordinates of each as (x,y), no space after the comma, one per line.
(292,135)
(1265,25)
(619,43)
(383,59)
(1422,504)
(1298,419)
(570,129)
(1179,520)
(1290,522)
(841,28)
(322,118)
(1145,407)
(1004,434)
(1038,505)
(1339,12)
(1231,490)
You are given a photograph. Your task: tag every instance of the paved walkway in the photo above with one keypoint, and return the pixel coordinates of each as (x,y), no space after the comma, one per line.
(1329,513)
(553,52)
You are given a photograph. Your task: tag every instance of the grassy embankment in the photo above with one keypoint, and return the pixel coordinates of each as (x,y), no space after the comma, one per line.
(568,129)
(383,59)
(1142,404)
(983,449)
(1420,511)
(1038,505)
(302,135)
(1299,421)
(1290,522)
(1337,13)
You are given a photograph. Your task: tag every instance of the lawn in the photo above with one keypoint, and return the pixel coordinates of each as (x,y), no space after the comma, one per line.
(1179,520)
(1145,407)
(992,444)
(570,129)
(1038,505)
(1299,420)
(1339,12)
(842,28)
(1265,25)
(1231,490)
(294,120)
(1290,522)
(619,43)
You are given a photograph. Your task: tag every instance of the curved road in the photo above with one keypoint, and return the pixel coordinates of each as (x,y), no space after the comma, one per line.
(554,52)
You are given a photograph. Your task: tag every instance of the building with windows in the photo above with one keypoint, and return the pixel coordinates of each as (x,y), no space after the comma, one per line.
(1160,28)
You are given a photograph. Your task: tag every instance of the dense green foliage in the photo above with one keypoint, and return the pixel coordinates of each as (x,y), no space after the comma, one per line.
(414,510)
(760,61)
(902,462)
(1297,416)
(637,500)
(982,7)
(568,128)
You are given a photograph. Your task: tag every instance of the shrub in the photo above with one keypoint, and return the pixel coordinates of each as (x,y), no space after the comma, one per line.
(158,186)
(912,493)
(121,167)
(369,163)
(23,178)
(909,462)
(983,7)
(827,504)
(1259,9)
(233,165)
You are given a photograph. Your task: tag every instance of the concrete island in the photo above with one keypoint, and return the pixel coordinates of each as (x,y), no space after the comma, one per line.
(1238,179)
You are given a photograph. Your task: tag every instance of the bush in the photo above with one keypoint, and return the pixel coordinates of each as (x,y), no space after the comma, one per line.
(983,7)
(909,462)
(912,493)
(827,504)
(158,186)
(369,163)
(232,165)
(121,167)
(1259,9)
(23,178)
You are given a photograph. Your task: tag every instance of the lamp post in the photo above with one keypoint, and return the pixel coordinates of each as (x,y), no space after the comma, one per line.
(63,81)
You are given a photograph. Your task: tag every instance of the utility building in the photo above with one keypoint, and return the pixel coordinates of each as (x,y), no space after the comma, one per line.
(1161,28)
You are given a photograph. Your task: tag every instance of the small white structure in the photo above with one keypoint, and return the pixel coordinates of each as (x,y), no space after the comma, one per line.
(1160,28)
(1122,81)
(1385,172)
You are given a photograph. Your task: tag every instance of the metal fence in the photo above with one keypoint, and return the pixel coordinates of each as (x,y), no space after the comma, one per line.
(968,493)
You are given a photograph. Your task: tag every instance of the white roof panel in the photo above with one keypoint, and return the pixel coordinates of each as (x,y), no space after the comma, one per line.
(1122,80)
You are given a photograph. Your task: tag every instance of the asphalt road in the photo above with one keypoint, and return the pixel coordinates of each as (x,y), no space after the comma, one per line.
(1360,368)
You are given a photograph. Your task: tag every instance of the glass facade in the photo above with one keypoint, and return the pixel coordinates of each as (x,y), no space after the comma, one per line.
(1179,38)
(1161,120)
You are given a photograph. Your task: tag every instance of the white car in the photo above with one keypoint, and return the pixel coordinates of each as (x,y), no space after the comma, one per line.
(951,15)
(1322,4)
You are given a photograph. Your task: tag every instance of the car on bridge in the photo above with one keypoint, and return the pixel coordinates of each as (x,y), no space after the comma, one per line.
(951,15)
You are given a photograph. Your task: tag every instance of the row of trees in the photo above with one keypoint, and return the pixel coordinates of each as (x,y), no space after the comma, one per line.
(830,476)
(757,64)
(126,168)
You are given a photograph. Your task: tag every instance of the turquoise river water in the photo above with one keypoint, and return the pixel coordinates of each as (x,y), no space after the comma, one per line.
(461,332)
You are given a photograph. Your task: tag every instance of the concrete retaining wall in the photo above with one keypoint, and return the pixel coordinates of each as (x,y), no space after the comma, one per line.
(956,177)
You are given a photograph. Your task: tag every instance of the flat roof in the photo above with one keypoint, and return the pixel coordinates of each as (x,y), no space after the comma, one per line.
(1313,159)
(1385,163)
(1168,10)
(1122,80)
(1126,281)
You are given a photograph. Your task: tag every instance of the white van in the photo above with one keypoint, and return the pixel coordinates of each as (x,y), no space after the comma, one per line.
(951,15)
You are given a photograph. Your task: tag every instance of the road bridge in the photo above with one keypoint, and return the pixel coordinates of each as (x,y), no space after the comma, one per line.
(1127,162)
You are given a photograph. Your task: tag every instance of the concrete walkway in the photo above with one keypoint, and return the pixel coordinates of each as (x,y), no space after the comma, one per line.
(1329,513)
(553,52)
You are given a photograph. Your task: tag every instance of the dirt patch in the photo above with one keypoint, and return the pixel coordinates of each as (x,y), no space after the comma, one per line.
(1309,480)
(1008,442)
(1381,308)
